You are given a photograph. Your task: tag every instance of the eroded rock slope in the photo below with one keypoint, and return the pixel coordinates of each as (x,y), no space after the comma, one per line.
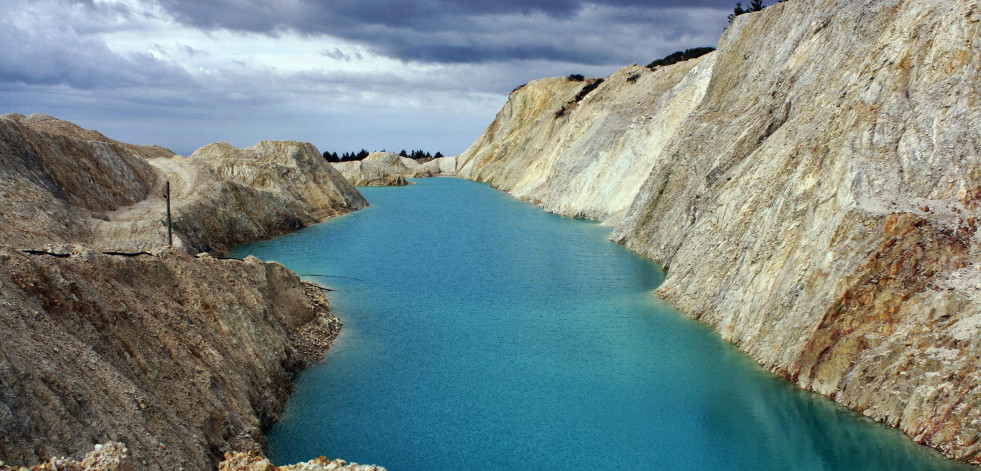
(273,187)
(179,358)
(50,183)
(63,184)
(584,148)
(815,199)
(174,359)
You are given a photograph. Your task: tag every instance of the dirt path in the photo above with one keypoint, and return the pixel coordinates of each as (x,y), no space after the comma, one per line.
(141,223)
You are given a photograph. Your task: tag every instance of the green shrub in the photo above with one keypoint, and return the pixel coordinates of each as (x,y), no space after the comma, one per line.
(680,56)
(579,96)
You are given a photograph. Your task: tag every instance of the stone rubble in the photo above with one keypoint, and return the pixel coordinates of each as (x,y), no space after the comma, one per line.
(111,456)
(239,461)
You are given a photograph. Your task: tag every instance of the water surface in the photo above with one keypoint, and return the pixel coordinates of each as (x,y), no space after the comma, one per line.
(482,333)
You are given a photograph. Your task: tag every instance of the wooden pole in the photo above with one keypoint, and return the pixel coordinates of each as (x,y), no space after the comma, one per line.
(170,234)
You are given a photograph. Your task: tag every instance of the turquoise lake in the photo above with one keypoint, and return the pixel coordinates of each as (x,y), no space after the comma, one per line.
(481,333)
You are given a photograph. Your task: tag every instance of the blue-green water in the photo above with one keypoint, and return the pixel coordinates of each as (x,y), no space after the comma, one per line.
(482,333)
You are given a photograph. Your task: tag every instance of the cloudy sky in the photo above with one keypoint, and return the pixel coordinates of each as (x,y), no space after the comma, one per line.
(342,74)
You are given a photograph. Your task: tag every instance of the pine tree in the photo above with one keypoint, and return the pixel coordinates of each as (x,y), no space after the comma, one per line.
(736,11)
(755,5)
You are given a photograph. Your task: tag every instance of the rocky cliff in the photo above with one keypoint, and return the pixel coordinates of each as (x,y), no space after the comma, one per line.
(584,148)
(811,188)
(175,359)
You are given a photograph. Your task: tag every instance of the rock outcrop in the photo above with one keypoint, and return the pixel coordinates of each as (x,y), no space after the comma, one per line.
(811,188)
(390,169)
(180,358)
(175,358)
(242,195)
(63,184)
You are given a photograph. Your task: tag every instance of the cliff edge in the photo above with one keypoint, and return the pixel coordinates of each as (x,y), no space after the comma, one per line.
(811,189)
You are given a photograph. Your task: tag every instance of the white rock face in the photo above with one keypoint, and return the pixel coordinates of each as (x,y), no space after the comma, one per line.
(378,169)
(590,161)
(446,165)
(390,169)
(812,188)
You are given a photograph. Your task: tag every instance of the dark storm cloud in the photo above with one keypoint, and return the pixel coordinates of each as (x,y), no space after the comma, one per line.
(319,16)
(468,31)
(127,68)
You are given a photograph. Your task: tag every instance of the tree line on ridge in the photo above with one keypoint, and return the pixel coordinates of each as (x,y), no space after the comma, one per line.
(754,5)
(349,156)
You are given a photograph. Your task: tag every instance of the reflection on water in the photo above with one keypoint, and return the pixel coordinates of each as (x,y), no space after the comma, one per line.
(483,333)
